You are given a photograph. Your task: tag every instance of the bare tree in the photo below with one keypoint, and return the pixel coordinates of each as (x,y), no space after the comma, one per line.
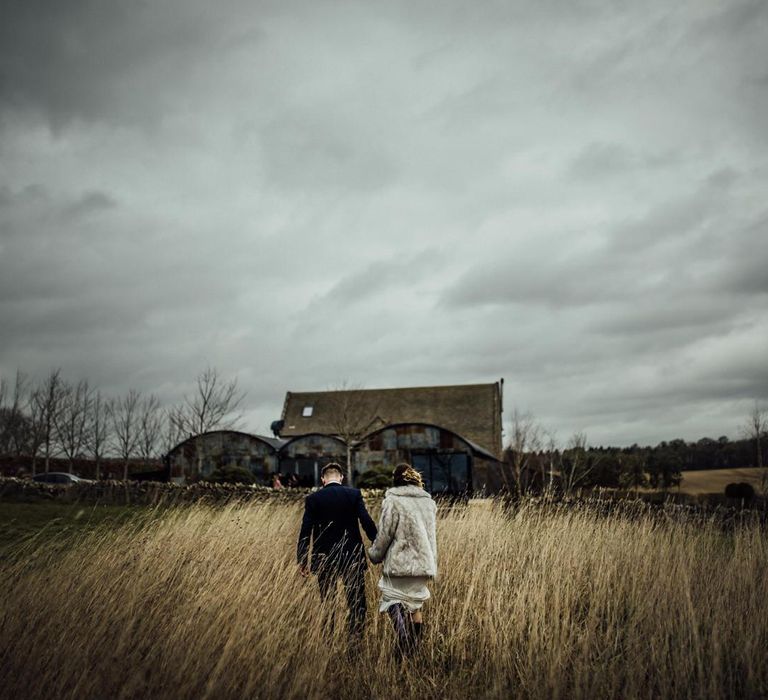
(756,428)
(215,404)
(100,430)
(72,419)
(37,426)
(351,414)
(551,460)
(172,433)
(45,405)
(150,427)
(15,425)
(125,420)
(5,421)
(525,440)
(575,467)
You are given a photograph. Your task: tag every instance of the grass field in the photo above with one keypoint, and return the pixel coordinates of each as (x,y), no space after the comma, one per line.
(31,522)
(541,603)
(715,480)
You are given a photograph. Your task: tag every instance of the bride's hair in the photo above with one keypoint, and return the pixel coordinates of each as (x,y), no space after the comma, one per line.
(406,475)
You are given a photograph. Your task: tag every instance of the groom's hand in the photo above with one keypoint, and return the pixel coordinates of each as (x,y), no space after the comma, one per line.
(304,570)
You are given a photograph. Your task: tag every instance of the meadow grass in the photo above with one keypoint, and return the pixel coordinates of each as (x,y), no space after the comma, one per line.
(540,602)
(25,525)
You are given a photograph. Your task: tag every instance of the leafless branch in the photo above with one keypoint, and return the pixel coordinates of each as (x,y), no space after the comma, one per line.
(755,428)
(350,416)
(71,420)
(46,403)
(150,427)
(525,439)
(100,429)
(575,466)
(15,424)
(124,416)
(214,404)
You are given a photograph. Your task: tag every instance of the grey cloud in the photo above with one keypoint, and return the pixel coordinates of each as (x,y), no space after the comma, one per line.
(743,269)
(89,203)
(670,314)
(567,194)
(561,284)
(90,60)
(733,18)
(692,281)
(29,194)
(308,151)
(751,278)
(380,276)
(677,218)
(602,159)
(607,159)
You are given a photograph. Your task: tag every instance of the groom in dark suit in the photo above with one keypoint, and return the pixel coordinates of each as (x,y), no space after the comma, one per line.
(331,517)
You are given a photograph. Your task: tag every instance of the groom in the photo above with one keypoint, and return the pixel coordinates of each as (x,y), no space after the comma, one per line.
(331,517)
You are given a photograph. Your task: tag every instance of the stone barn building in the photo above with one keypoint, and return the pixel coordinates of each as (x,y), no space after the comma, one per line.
(195,458)
(305,455)
(451,434)
(447,462)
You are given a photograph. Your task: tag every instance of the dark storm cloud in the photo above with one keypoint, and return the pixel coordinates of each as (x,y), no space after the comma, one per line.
(733,20)
(567,194)
(624,265)
(744,271)
(89,203)
(86,59)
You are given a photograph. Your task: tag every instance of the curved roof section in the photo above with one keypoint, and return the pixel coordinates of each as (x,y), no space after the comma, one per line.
(273,443)
(476,449)
(290,441)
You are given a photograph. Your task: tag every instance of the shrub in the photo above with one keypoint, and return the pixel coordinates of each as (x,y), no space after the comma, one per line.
(231,474)
(375,478)
(742,491)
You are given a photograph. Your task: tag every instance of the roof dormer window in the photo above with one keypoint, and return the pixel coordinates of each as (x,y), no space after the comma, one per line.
(307,412)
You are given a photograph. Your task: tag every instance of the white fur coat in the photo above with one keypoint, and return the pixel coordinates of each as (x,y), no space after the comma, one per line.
(406,541)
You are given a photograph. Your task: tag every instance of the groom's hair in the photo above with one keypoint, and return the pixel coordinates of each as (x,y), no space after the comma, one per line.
(332,467)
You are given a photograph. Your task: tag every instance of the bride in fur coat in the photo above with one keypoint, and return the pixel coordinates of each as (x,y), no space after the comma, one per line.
(407,546)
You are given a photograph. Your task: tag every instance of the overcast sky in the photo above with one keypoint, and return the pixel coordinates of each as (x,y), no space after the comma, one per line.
(569,195)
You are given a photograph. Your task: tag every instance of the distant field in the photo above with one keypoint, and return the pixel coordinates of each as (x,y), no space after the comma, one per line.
(715,480)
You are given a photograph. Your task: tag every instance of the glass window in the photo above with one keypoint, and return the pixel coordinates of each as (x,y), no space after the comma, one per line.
(441,476)
(307,412)
(420,462)
(443,472)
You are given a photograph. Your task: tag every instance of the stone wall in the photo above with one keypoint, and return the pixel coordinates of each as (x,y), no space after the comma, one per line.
(151,493)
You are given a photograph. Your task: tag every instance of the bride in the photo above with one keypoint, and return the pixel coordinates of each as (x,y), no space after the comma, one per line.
(406,544)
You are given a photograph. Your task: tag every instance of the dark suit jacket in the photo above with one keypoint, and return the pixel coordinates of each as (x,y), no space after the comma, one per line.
(331,517)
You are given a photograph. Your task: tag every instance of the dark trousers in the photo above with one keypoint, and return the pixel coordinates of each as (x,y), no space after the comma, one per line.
(352,577)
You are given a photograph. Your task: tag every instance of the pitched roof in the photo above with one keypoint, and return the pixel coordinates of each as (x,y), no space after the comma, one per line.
(471,410)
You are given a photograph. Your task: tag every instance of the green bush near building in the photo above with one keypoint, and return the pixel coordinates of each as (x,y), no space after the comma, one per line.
(375,478)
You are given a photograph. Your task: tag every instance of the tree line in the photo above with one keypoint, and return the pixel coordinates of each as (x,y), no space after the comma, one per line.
(534,461)
(55,417)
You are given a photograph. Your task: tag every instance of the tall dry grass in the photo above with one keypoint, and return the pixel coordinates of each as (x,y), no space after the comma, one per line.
(206,603)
